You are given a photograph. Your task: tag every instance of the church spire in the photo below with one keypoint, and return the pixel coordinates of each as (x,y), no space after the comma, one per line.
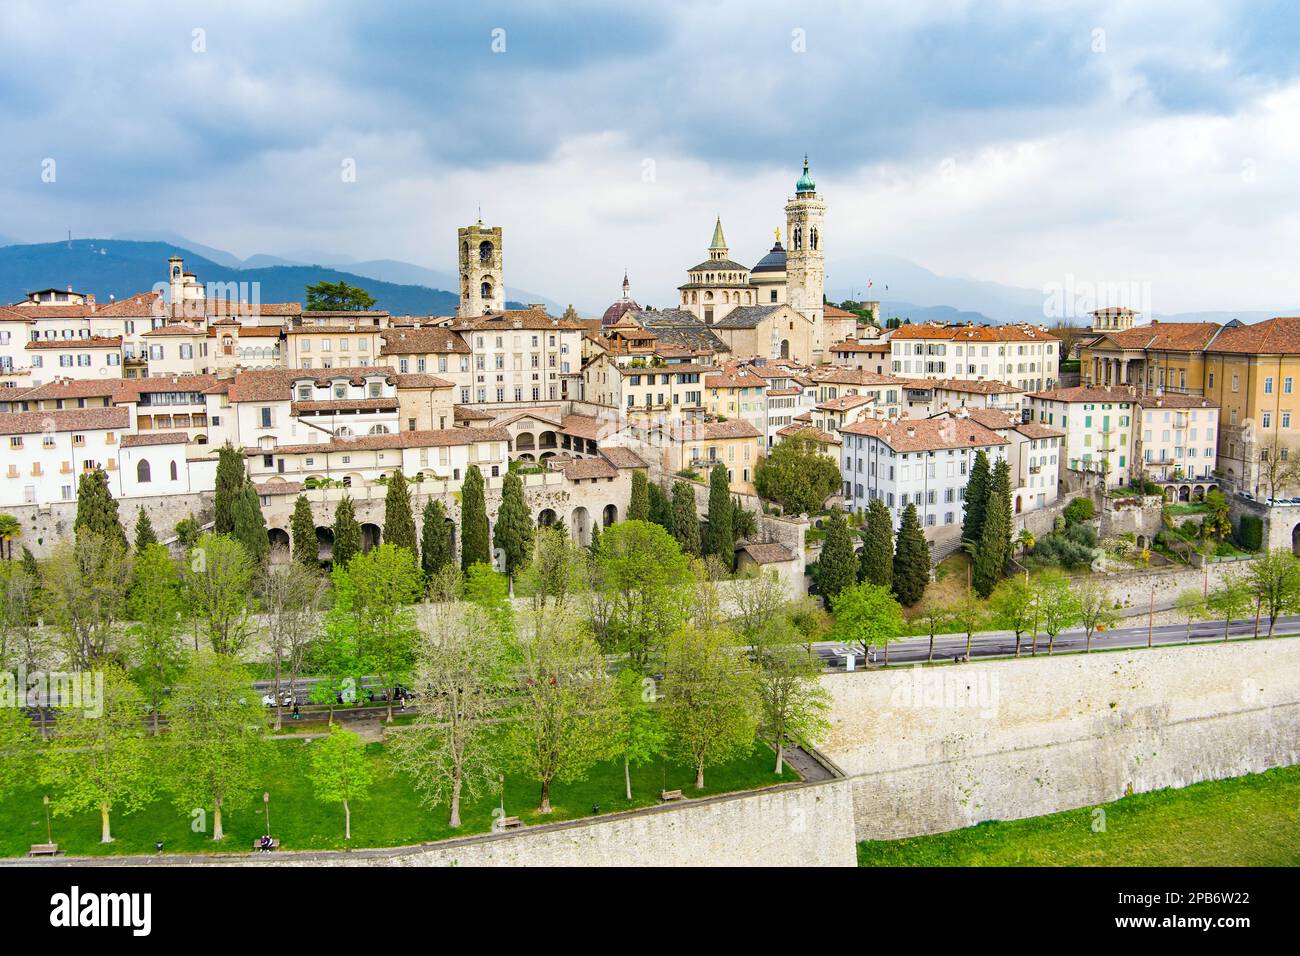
(627,288)
(718,247)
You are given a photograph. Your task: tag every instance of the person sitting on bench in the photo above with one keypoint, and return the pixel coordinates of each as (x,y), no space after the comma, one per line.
(266,843)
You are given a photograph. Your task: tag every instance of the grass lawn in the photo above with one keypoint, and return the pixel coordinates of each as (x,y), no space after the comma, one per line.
(1193,508)
(1247,821)
(949,586)
(390,816)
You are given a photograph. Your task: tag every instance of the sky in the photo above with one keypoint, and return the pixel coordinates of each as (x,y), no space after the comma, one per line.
(1153,144)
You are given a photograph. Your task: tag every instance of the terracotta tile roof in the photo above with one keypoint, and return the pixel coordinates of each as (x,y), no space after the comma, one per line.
(226,309)
(988,417)
(931,434)
(437,437)
(587,426)
(93,342)
(778,392)
(846,402)
(1174,400)
(279,488)
(835,312)
(421,380)
(130,389)
(15,315)
(974,333)
(1278,336)
(343,404)
(577,468)
(713,431)
(807,431)
(463,413)
(1088,393)
(246,331)
(177,328)
(730,376)
(840,375)
(423,341)
(977,387)
(142,304)
(1163,336)
(515,319)
(66,388)
(876,345)
(621,457)
(276,384)
(145,439)
(772,553)
(547,416)
(64,420)
(1036,430)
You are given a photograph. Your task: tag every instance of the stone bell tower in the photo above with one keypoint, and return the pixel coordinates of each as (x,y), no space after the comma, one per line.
(805,263)
(482,277)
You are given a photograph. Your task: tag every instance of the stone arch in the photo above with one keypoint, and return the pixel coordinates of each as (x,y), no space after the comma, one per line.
(173,470)
(1169,493)
(278,538)
(485,290)
(580,526)
(525,441)
(324,543)
(142,471)
(609,515)
(785,348)
(548,440)
(343,431)
(1295,540)
(485,250)
(1141,542)
(1198,493)
(370,536)
(1020,505)
(1184,493)
(379,429)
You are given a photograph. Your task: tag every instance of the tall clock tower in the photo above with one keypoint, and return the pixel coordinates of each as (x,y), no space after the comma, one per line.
(482,277)
(805,264)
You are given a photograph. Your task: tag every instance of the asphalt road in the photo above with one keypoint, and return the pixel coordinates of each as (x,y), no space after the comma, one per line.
(1003,643)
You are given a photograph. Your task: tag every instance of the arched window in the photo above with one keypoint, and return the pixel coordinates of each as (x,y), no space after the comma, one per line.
(485,290)
(379,429)
(173,471)
(796,238)
(484,251)
(142,471)
(812,238)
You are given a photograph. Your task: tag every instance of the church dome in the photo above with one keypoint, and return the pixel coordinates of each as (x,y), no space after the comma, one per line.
(805,183)
(617,310)
(774,261)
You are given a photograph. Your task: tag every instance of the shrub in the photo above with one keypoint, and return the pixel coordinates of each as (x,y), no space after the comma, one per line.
(1080,509)
(1083,534)
(1250,532)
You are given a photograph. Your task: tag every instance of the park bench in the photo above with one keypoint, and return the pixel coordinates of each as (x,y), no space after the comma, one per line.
(44,849)
(509,823)
(668,796)
(257,844)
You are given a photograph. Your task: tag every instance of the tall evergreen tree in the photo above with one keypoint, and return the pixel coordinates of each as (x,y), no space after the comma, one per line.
(96,509)
(661,509)
(837,568)
(474,548)
(144,534)
(877,563)
(513,533)
(638,509)
(230,478)
(686,520)
(436,550)
(977,494)
(302,529)
(995,541)
(721,541)
(399,522)
(911,559)
(250,526)
(594,547)
(347,533)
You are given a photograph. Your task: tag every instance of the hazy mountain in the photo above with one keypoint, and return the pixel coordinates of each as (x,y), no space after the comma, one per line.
(906,284)
(908,311)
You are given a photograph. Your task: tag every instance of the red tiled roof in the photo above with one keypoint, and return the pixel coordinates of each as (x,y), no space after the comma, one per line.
(155,438)
(424,341)
(1088,393)
(1277,336)
(929,434)
(276,384)
(1164,336)
(437,437)
(93,342)
(974,333)
(64,420)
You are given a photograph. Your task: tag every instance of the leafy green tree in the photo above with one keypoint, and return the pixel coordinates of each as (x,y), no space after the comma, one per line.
(291,597)
(1228,601)
(646,581)
(721,540)
(560,724)
(977,494)
(744,524)
(230,478)
(490,590)
(1078,511)
(144,533)
(1190,606)
(876,564)
(99,759)
(379,588)
(218,582)
(969,614)
(936,617)
(1096,608)
(473,521)
(156,605)
(792,703)
(334,657)
(661,508)
(11,529)
(215,728)
(250,526)
(302,528)
(188,530)
(436,550)
(347,533)
(1274,581)
(341,771)
(19,745)
(710,699)
(1057,606)
(797,475)
(96,509)
(513,534)
(686,520)
(399,521)
(326,296)
(555,571)
(911,559)
(85,582)
(638,734)
(995,538)
(1013,607)
(638,509)
(866,614)
(837,568)
(594,547)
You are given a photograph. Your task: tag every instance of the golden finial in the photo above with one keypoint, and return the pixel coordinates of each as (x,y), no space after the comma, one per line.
(778,234)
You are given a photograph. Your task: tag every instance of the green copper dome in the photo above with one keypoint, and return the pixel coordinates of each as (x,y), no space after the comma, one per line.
(805,183)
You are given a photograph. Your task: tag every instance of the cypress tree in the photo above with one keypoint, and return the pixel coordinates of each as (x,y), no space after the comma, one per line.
(594,547)
(230,478)
(721,541)
(302,530)
(250,526)
(474,547)
(638,509)
(686,520)
(911,559)
(513,533)
(661,509)
(877,564)
(435,539)
(96,509)
(837,568)
(144,535)
(977,493)
(347,533)
(995,541)
(399,522)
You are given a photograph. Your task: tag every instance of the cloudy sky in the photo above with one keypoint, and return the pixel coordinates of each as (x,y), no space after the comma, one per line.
(1024,143)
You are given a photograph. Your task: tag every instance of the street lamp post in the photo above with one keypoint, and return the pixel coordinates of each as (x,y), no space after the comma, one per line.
(266,805)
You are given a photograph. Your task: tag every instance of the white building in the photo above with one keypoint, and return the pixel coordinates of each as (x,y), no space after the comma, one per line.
(1034,455)
(1024,356)
(1098,426)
